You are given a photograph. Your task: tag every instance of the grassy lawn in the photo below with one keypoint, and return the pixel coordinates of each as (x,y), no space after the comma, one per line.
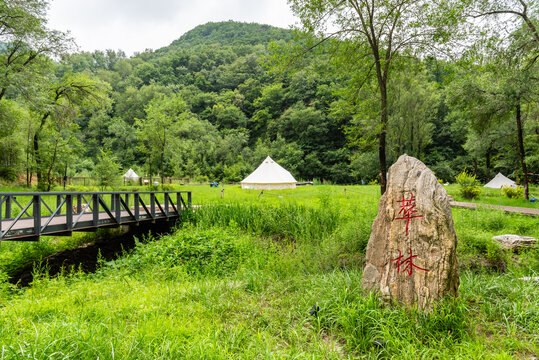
(240,278)
(495,197)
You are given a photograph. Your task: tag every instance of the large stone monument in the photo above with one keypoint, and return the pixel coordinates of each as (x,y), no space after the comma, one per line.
(412,251)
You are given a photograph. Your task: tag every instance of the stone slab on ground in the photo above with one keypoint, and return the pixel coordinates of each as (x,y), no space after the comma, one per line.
(515,242)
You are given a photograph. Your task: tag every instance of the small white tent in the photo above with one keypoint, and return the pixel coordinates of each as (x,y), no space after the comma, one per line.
(131,175)
(269,176)
(499,181)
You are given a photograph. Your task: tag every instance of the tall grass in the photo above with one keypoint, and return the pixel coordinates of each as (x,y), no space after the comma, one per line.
(239,279)
(291,222)
(477,248)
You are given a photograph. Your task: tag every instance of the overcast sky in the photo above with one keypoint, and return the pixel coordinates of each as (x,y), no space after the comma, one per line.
(136,25)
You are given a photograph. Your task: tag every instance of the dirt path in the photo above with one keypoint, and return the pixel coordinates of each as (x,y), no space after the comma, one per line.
(507,209)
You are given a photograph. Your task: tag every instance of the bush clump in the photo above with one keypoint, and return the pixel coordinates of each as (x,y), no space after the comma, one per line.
(512,193)
(213,251)
(469,187)
(8,174)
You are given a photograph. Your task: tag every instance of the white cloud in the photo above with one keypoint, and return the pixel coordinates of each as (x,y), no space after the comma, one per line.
(136,25)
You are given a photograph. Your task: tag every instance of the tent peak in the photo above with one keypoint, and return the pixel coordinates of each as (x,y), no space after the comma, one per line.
(269,176)
(131,175)
(500,180)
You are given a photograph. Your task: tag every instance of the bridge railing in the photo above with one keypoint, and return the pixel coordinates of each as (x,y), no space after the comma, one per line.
(26,215)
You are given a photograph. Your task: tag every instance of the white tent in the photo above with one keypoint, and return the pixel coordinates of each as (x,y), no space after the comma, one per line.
(130,175)
(499,181)
(269,176)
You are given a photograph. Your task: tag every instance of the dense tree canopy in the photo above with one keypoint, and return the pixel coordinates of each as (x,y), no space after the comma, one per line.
(211,105)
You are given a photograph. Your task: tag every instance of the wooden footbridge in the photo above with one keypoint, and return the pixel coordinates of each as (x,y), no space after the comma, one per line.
(25,216)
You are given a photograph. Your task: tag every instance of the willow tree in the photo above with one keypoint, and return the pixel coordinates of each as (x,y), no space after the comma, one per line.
(375,33)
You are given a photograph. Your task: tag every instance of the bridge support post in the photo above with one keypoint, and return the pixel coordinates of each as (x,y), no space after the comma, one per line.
(37,214)
(8,207)
(58,202)
(79,203)
(137,206)
(179,203)
(69,212)
(95,211)
(152,205)
(117,208)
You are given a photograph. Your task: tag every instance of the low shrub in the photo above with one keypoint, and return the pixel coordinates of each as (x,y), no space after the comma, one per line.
(167,187)
(443,171)
(76,188)
(152,187)
(213,251)
(7,173)
(4,285)
(469,187)
(512,193)
(130,188)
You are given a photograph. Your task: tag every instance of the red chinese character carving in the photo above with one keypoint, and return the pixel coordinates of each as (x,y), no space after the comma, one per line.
(408,210)
(409,268)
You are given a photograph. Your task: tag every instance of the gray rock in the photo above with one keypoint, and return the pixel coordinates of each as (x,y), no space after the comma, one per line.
(515,242)
(411,254)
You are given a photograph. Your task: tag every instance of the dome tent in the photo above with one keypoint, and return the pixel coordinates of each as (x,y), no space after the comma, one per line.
(269,176)
(130,175)
(499,181)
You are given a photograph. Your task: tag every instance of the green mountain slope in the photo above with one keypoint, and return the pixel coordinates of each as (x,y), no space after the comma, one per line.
(231,33)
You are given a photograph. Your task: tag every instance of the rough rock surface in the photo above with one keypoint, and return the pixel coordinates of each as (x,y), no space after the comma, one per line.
(411,254)
(515,242)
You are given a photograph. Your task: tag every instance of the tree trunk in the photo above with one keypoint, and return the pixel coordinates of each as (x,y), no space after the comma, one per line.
(163,155)
(412,139)
(28,174)
(487,164)
(27,148)
(521,150)
(37,158)
(419,145)
(49,173)
(382,137)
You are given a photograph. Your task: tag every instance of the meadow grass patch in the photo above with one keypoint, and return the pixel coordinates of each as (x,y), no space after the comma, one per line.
(241,280)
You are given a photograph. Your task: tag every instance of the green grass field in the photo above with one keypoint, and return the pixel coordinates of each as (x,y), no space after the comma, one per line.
(495,197)
(239,279)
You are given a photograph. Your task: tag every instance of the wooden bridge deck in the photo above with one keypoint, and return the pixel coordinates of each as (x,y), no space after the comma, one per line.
(83,212)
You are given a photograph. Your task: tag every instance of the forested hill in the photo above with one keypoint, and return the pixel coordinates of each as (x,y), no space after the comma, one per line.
(211,106)
(230,33)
